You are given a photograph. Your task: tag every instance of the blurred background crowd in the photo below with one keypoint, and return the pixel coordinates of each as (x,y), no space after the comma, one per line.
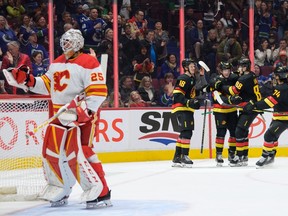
(148,35)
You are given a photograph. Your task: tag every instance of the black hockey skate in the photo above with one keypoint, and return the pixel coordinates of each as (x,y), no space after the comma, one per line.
(271,157)
(100,202)
(261,162)
(186,161)
(219,160)
(176,161)
(231,155)
(60,203)
(236,162)
(244,160)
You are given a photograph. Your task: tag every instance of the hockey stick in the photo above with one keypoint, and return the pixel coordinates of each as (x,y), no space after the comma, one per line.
(204,124)
(204,65)
(221,102)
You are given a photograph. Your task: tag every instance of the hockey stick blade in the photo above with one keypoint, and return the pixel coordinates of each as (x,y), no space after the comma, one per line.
(204,65)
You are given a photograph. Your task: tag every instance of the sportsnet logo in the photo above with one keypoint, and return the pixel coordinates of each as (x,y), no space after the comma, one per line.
(163,138)
(157,126)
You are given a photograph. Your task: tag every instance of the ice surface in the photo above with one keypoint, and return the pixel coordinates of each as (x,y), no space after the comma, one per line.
(157,189)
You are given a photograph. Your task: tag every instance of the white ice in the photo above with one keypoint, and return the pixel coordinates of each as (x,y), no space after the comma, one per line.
(157,189)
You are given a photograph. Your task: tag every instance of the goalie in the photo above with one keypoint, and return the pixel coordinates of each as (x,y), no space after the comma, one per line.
(77,87)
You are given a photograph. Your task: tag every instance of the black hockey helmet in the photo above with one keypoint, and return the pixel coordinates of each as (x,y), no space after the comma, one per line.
(281,72)
(225,65)
(186,62)
(244,62)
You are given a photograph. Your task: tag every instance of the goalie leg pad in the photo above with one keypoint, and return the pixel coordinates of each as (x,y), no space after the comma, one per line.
(60,179)
(86,176)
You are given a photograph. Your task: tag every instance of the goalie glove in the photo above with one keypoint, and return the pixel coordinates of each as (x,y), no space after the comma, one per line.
(22,75)
(75,113)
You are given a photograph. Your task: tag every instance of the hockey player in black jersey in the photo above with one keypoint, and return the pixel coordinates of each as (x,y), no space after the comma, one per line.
(248,89)
(184,105)
(279,102)
(225,116)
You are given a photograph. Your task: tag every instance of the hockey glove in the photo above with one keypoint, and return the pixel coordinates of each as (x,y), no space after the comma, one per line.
(218,85)
(235,99)
(248,108)
(22,76)
(206,89)
(193,103)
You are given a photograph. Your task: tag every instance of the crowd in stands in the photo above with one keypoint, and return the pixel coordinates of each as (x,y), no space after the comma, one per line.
(148,40)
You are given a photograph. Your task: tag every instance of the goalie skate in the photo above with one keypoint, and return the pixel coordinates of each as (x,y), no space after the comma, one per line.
(60,203)
(100,202)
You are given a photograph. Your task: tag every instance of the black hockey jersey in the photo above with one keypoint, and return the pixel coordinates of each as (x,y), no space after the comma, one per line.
(184,90)
(246,87)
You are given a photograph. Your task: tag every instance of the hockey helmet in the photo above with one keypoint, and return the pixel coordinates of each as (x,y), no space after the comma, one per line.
(186,62)
(225,65)
(281,72)
(244,62)
(72,40)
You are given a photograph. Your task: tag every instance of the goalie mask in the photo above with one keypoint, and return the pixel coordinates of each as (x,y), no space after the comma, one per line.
(71,41)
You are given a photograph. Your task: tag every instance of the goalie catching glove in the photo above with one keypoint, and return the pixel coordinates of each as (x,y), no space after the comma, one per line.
(22,75)
(74,113)
(193,103)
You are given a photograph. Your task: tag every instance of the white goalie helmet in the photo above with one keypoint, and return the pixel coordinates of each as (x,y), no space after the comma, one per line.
(72,40)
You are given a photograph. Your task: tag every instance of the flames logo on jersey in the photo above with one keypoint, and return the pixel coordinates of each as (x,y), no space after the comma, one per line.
(58,77)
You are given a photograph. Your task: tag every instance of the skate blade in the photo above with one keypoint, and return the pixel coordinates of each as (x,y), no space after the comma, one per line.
(60,203)
(177,165)
(235,165)
(219,164)
(186,165)
(98,205)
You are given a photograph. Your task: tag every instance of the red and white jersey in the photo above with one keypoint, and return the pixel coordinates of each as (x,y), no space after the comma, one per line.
(68,78)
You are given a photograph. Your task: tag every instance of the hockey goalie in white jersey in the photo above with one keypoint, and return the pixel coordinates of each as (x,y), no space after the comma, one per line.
(76,83)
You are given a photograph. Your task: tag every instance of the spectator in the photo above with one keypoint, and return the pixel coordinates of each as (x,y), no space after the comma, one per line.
(126,87)
(130,49)
(197,37)
(14,10)
(265,22)
(147,91)
(38,66)
(24,31)
(34,46)
(125,9)
(6,34)
(93,30)
(14,58)
(265,82)
(228,20)
(82,16)
(41,30)
(135,100)
(220,31)
(229,50)
(245,49)
(111,102)
(210,49)
(66,18)
(161,39)
(3,10)
(138,24)
(171,65)
(263,55)
(281,17)
(166,91)
(282,59)
(142,65)
(282,46)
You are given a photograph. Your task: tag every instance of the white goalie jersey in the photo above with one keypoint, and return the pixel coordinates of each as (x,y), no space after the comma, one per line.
(68,78)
